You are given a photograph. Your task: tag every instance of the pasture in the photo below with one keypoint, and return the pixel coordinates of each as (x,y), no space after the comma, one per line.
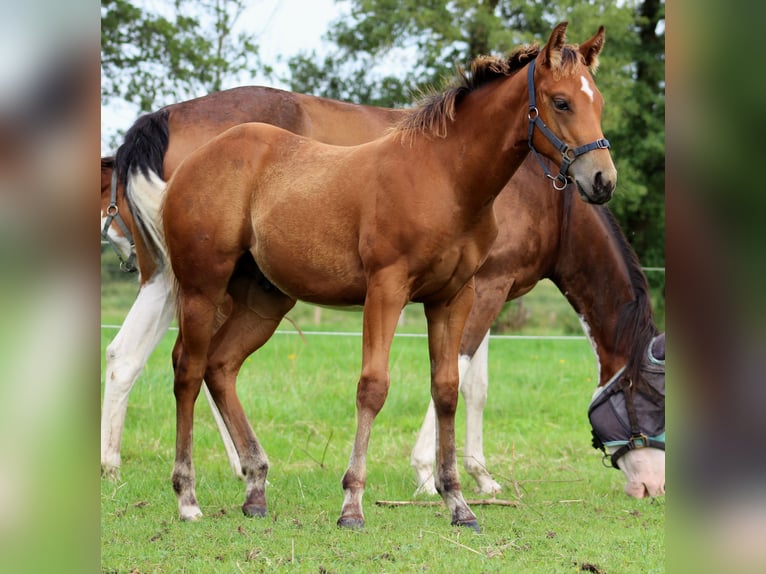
(569,514)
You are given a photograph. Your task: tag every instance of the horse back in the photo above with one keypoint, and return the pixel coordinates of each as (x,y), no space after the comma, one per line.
(195,122)
(342,123)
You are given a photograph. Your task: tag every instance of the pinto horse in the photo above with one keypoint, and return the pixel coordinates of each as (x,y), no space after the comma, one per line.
(406,217)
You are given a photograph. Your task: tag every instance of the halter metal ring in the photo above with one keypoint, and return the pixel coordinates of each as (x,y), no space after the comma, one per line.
(560,178)
(533,113)
(112,209)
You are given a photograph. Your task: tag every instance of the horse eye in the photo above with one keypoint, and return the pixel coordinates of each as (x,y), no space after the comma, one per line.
(561,105)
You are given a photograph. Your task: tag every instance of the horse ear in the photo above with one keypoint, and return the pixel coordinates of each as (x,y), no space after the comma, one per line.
(592,48)
(551,53)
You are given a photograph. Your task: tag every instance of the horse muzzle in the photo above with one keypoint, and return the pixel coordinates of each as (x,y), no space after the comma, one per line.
(598,191)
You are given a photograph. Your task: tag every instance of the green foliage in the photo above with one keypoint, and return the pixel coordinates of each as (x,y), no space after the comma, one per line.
(154,59)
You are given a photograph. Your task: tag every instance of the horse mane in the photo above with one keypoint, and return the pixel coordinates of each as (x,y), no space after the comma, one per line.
(144,147)
(436,109)
(635,323)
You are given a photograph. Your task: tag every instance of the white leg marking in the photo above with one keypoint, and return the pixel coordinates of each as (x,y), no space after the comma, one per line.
(146,323)
(474,382)
(585,87)
(228,443)
(473,386)
(424,452)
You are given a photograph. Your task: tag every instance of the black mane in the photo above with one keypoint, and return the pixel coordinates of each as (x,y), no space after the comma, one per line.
(635,324)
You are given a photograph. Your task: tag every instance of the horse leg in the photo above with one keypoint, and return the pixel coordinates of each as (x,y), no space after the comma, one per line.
(474,390)
(197,318)
(143,328)
(445,327)
(255,317)
(422,456)
(382,308)
(228,443)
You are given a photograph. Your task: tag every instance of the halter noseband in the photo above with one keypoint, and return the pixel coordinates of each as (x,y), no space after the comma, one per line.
(113,214)
(568,155)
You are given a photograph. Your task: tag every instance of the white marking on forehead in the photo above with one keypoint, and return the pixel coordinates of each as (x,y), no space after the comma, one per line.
(585,87)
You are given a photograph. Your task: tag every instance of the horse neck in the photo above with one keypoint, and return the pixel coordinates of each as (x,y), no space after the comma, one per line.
(594,273)
(487,141)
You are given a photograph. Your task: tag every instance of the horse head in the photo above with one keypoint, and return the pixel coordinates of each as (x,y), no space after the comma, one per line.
(628,422)
(565,115)
(114,227)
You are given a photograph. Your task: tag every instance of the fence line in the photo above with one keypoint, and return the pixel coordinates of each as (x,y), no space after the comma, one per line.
(411,335)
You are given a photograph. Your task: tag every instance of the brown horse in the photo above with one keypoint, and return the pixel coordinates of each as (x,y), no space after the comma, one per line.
(594,267)
(155,146)
(407,217)
(578,246)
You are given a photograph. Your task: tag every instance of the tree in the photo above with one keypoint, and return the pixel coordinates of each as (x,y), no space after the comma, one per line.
(154,59)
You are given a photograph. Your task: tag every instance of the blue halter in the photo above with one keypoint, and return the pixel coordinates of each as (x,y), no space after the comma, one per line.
(568,155)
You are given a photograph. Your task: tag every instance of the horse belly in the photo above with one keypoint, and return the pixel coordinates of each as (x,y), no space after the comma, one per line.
(310,261)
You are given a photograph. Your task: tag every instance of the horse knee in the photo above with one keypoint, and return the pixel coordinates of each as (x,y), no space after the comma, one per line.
(371,392)
(474,391)
(445,396)
(122,370)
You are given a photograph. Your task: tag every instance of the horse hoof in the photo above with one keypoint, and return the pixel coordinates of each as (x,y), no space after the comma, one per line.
(472,524)
(254,510)
(353,523)
(111,473)
(191,517)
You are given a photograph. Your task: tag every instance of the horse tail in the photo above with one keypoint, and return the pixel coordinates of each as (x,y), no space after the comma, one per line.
(139,164)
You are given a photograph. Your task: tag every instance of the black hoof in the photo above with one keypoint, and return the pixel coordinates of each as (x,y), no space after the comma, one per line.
(353,523)
(254,510)
(472,524)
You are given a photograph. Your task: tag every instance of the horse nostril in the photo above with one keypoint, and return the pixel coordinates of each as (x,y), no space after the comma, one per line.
(599,180)
(601,185)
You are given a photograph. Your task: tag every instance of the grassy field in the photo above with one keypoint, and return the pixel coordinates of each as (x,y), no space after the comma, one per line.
(571,514)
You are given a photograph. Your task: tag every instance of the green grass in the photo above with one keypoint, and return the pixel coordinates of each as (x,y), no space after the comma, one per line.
(572,515)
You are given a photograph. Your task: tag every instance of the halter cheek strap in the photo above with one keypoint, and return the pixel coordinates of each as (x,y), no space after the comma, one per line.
(113,214)
(568,154)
